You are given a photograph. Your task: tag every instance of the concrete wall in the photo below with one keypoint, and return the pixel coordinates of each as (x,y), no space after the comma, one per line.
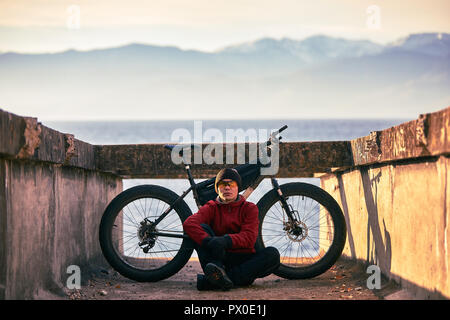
(51,217)
(51,203)
(397,209)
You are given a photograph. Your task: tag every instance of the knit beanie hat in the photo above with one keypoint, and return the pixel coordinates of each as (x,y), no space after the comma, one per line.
(228,173)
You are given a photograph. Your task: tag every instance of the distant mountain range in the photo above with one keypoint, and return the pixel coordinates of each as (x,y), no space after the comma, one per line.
(319,76)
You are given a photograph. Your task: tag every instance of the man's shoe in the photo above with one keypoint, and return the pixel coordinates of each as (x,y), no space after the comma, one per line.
(217,276)
(203,283)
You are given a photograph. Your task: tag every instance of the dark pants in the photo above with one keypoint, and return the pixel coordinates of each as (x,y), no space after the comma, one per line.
(241,268)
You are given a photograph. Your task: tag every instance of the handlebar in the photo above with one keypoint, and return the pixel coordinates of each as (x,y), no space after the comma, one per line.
(275,133)
(283,128)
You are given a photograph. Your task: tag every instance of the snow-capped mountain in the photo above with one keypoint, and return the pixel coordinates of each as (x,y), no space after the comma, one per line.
(310,50)
(434,44)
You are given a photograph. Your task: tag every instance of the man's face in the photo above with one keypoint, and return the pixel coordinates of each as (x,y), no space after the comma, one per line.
(228,190)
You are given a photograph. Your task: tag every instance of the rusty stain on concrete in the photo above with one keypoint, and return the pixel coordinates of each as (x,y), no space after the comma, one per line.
(372,145)
(31,136)
(422,130)
(69,147)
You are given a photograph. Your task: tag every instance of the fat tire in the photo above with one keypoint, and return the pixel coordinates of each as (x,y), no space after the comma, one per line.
(340,230)
(105,234)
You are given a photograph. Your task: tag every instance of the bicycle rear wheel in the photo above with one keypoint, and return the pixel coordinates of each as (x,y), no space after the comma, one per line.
(311,243)
(134,245)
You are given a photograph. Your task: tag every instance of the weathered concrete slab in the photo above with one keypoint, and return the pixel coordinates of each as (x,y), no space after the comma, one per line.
(296,159)
(25,138)
(12,133)
(429,135)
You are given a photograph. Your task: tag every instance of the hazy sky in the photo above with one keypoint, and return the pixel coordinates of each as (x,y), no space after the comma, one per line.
(55,25)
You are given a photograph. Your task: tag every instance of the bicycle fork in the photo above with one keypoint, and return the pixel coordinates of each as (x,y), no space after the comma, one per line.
(282,199)
(295,229)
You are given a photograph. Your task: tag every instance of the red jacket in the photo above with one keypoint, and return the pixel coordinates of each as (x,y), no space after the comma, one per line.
(238,219)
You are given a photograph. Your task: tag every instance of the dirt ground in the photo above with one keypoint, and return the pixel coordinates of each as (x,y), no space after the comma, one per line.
(346,280)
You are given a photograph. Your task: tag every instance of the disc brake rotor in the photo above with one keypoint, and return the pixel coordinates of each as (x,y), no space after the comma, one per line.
(296,231)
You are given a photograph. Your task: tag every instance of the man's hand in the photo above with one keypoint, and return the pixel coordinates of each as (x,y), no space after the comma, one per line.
(217,245)
(220,243)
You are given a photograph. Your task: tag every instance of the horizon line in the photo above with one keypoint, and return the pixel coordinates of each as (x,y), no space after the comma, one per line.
(226,119)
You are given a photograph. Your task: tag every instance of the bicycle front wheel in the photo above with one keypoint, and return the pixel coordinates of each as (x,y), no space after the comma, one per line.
(311,243)
(132,242)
